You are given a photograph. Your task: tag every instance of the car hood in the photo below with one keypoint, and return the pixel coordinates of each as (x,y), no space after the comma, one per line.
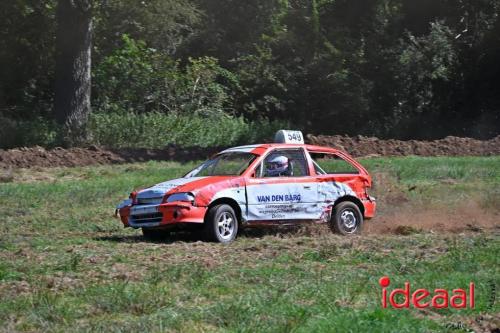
(190,184)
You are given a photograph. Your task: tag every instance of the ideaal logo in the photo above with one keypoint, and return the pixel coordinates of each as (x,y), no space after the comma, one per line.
(423,298)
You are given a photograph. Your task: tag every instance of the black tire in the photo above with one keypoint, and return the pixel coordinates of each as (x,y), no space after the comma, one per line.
(155,234)
(347,219)
(221,224)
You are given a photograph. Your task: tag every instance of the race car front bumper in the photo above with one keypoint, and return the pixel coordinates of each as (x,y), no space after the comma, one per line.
(154,216)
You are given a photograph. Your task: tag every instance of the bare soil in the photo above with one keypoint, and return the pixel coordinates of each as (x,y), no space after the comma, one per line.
(410,220)
(406,221)
(358,146)
(59,157)
(371,146)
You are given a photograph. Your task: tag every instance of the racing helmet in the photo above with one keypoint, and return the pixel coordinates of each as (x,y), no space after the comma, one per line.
(277,166)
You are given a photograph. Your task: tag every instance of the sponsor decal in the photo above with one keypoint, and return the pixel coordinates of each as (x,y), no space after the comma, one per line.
(280,206)
(278,211)
(420,298)
(279,198)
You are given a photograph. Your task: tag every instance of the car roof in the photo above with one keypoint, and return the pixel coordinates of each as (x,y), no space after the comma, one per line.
(263,147)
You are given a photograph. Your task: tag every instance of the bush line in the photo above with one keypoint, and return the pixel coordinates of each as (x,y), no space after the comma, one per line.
(147,130)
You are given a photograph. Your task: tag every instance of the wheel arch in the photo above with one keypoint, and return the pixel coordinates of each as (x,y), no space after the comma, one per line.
(228,201)
(354,200)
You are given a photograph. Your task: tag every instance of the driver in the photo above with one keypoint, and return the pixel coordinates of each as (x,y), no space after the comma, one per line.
(277,166)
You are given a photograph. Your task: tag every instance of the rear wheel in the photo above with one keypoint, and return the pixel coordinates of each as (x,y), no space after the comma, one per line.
(221,224)
(155,234)
(347,218)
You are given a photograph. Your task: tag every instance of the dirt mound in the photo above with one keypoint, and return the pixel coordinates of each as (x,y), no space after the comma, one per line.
(371,146)
(59,157)
(357,146)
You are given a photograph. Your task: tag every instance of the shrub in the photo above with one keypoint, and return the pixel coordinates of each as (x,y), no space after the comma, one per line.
(155,130)
(24,133)
(148,130)
(141,79)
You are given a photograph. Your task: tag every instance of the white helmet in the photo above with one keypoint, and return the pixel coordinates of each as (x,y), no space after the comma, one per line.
(277,166)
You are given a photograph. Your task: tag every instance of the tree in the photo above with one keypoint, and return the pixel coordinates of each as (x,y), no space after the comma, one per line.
(73,65)
(27,59)
(164,25)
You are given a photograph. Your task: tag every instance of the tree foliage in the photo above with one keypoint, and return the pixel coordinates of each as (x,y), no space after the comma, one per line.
(27,39)
(135,78)
(391,68)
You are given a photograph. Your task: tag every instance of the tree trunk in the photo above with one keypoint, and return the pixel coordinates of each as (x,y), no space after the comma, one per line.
(73,64)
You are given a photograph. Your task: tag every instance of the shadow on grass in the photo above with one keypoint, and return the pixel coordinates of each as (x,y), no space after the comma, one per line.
(274,231)
(193,236)
(174,237)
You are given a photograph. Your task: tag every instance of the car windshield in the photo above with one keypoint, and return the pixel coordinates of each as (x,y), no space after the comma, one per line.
(226,164)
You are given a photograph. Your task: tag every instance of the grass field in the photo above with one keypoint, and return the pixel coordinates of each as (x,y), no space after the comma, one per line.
(67,265)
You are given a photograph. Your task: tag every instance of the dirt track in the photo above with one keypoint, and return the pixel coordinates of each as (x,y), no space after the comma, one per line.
(405,219)
(409,220)
(357,146)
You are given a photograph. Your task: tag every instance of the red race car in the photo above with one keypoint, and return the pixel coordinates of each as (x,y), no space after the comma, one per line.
(279,183)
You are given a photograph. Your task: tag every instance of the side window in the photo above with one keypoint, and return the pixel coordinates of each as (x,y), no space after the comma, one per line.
(331,164)
(284,163)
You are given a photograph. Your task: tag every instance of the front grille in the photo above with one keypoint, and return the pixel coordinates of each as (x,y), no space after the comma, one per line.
(147,218)
(149,201)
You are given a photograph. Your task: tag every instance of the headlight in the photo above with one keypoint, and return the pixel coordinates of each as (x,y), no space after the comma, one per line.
(181,197)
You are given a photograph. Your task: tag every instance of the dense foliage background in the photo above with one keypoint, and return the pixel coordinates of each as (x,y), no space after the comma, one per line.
(390,68)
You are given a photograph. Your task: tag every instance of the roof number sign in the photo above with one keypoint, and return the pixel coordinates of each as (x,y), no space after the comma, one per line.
(286,136)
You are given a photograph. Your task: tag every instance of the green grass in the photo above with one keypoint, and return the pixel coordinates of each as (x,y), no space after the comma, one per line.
(430,170)
(67,265)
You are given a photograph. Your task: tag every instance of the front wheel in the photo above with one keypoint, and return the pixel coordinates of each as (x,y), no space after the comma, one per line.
(347,218)
(221,224)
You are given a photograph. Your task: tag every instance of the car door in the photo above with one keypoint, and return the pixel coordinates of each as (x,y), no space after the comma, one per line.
(292,195)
